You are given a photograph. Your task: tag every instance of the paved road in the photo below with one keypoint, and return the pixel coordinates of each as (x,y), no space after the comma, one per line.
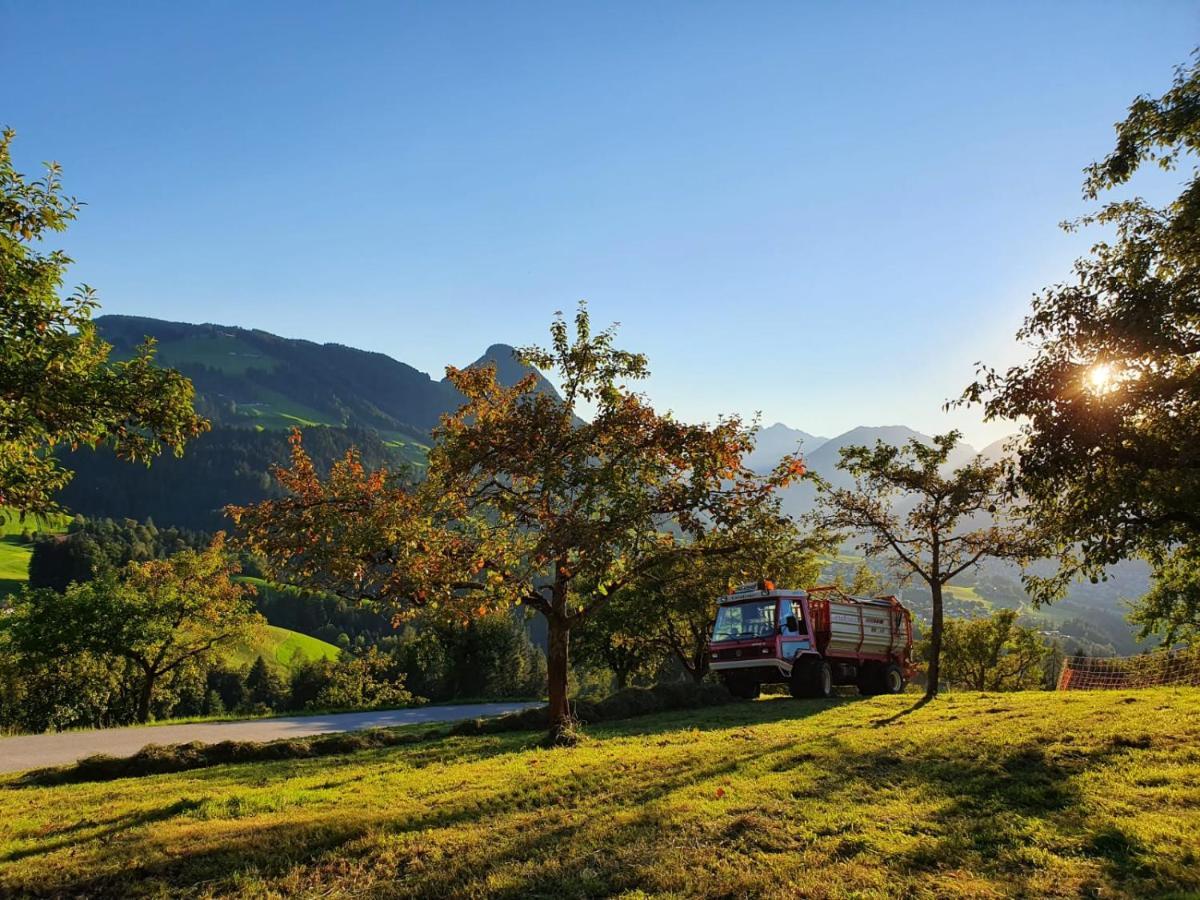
(37,750)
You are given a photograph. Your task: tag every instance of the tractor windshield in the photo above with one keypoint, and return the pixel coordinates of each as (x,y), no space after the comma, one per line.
(745,620)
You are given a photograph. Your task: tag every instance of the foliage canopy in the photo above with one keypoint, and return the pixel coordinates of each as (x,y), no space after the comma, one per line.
(159,615)
(1108,458)
(58,386)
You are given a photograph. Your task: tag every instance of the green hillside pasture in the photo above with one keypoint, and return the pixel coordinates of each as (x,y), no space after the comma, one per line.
(965,600)
(15,554)
(974,795)
(280,647)
(233,356)
(272,409)
(411,452)
(14,564)
(223,352)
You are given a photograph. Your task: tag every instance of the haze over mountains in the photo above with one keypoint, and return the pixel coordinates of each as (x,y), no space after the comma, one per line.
(821,454)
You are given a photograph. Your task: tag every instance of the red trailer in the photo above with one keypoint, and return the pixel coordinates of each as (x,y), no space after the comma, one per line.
(810,640)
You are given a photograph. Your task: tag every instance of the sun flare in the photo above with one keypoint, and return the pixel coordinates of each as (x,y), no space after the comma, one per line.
(1100,376)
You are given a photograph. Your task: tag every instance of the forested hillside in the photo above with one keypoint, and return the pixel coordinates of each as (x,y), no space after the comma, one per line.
(226,465)
(255,386)
(253,378)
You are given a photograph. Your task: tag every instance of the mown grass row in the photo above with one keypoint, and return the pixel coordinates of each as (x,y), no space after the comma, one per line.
(156,759)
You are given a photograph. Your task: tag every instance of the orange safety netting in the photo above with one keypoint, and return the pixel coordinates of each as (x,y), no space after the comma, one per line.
(1162,667)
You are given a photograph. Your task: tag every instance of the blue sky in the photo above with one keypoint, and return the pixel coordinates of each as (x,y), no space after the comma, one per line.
(823,212)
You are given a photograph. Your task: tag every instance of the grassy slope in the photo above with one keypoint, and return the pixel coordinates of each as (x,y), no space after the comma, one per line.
(225,353)
(271,409)
(14,555)
(281,647)
(14,564)
(975,795)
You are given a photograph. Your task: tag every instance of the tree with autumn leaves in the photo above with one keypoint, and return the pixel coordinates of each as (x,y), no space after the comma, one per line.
(524,501)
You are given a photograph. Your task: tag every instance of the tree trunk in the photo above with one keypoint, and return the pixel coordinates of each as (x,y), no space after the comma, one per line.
(621,674)
(556,670)
(935,642)
(143,707)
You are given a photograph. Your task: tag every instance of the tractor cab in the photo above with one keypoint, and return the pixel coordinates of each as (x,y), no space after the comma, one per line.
(759,630)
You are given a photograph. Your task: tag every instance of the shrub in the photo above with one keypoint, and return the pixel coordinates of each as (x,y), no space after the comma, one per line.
(370,681)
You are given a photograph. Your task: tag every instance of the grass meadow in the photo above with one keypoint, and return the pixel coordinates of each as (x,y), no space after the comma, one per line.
(14,552)
(974,795)
(280,647)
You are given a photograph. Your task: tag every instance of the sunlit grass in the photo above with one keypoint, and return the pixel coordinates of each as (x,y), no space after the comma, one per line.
(280,647)
(14,564)
(973,795)
(14,553)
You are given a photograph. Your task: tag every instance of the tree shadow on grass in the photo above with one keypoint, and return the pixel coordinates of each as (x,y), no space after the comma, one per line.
(892,719)
(607,823)
(594,828)
(720,718)
(270,850)
(67,836)
(991,808)
(544,821)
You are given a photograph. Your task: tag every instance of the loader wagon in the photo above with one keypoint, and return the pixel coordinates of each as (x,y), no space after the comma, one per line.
(810,640)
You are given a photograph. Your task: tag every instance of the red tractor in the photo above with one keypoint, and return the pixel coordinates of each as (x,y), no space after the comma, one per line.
(810,640)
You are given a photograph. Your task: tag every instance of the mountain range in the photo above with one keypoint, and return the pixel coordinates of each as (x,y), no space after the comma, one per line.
(821,455)
(252,378)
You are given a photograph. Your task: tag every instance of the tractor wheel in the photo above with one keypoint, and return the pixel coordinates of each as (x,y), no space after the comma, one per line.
(893,680)
(818,678)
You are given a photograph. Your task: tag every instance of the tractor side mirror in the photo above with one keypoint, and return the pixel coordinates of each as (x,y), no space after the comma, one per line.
(792,624)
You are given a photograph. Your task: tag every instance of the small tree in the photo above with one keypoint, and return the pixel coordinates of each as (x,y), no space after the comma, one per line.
(159,615)
(611,639)
(524,502)
(928,524)
(370,681)
(992,654)
(264,687)
(57,385)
